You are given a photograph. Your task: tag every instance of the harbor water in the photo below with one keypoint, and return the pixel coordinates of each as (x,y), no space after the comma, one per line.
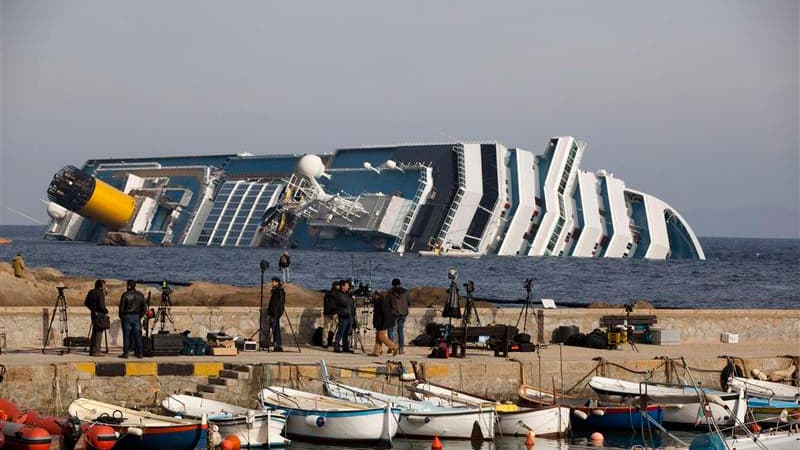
(739,273)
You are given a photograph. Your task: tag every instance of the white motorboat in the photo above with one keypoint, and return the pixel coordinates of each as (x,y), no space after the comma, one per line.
(765,389)
(253,428)
(318,418)
(551,420)
(682,404)
(421,418)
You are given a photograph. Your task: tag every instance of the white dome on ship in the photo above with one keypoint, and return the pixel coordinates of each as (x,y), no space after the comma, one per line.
(311,166)
(56,211)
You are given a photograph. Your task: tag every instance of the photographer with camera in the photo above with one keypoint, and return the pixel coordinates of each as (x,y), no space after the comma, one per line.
(131,311)
(345,309)
(96,302)
(399,302)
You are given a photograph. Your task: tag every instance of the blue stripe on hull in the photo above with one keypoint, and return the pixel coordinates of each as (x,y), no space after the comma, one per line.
(184,440)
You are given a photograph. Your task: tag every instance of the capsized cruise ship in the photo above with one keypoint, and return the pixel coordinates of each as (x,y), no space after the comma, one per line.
(456,198)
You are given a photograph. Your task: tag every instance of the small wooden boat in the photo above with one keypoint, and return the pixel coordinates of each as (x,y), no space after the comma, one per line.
(18,436)
(253,428)
(4,241)
(683,405)
(142,430)
(421,419)
(512,419)
(765,389)
(318,418)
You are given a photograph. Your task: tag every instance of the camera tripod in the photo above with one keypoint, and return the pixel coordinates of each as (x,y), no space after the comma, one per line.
(163,313)
(60,310)
(362,325)
(469,305)
(526,307)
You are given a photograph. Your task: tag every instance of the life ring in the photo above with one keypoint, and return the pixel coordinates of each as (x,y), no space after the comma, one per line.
(730,370)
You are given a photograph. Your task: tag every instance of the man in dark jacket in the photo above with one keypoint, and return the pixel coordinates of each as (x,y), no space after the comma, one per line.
(344,313)
(131,311)
(277,305)
(329,317)
(96,302)
(400,302)
(283,263)
(383,320)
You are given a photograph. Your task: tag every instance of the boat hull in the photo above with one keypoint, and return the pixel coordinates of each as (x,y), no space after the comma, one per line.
(765,389)
(616,417)
(157,432)
(446,424)
(336,423)
(253,428)
(765,410)
(681,404)
(547,421)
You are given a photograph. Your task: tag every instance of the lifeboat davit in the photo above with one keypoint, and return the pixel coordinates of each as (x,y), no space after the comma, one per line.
(19,436)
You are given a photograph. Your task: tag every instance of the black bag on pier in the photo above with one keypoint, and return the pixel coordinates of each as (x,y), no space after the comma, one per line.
(316,338)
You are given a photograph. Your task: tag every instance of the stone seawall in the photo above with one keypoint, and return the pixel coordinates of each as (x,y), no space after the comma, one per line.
(25,327)
(50,388)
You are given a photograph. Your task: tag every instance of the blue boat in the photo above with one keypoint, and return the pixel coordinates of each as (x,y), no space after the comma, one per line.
(141,430)
(615,417)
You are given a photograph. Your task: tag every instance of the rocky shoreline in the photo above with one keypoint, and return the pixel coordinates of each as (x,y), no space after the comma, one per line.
(38,288)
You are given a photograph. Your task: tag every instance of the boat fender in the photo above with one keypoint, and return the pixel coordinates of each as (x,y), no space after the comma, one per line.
(757,374)
(18,435)
(580,414)
(215,436)
(418,419)
(315,421)
(598,412)
(101,437)
(407,376)
(135,431)
(231,442)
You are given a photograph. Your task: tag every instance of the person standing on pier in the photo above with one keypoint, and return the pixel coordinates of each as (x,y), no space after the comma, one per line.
(19,265)
(399,301)
(96,302)
(275,309)
(329,317)
(344,312)
(283,263)
(383,320)
(131,311)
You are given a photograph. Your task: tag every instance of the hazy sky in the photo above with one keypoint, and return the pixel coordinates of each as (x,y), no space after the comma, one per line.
(695,102)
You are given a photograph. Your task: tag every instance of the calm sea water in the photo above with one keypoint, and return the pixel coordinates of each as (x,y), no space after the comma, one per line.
(739,273)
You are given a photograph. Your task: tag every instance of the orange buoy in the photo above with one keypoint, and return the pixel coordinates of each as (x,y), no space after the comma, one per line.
(231,443)
(529,439)
(19,436)
(101,437)
(436,444)
(596,438)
